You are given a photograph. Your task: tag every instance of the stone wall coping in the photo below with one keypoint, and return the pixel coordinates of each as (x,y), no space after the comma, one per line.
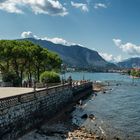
(29,96)
(38,90)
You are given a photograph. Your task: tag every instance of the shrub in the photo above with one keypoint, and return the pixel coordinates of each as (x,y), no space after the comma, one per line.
(49,77)
(11,77)
(135,73)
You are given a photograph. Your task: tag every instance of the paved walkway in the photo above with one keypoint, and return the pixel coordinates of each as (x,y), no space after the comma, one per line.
(11,91)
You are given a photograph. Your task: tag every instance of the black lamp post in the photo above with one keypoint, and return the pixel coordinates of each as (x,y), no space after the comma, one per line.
(63,67)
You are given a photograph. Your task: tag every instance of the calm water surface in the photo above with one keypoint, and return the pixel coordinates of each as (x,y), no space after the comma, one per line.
(119,109)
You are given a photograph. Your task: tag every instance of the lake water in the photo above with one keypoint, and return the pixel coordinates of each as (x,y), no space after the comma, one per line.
(117,111)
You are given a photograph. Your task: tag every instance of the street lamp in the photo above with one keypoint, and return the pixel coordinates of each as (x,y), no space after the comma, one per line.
(63,68)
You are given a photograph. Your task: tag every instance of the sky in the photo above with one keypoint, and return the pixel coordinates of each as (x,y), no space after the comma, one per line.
(111,27)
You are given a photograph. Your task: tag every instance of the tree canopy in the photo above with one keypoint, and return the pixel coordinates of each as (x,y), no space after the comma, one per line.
(26,59)
(135,73)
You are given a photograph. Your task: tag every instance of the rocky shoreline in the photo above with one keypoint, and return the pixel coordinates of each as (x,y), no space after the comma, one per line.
(61,128)
(74,123)
(67,126)
(99,86)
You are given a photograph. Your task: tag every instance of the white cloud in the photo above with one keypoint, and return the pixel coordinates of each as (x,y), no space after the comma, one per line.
(118,58)
(55,40)
(58,40)
(50,7)
(107,57)
(111,58)
(100,5)
(27,35)
(117,42)
(128,48)
(11,6)
(81,6)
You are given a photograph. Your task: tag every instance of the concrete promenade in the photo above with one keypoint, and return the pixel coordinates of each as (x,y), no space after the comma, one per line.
(12,91)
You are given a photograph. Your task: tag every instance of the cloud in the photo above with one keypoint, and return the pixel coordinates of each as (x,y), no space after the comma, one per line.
(111,58)
(11,6)
(58,40)
(50,7)
(128,48)
(27,34)
(55,40)
(117,42)
(81,6)
(100,5)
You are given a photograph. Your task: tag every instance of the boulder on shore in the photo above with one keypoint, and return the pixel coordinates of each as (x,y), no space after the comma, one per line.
(92,117)
(85,116)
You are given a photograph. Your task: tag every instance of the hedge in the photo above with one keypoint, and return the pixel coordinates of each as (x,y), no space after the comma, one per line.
(49,77)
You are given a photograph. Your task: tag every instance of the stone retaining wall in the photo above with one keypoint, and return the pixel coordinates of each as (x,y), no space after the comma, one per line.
(20,113)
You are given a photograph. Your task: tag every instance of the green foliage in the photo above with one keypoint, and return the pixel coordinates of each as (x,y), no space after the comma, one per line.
(8,77)
(26,59)
(129,72)
(49,77)
(11,77)
(135,73)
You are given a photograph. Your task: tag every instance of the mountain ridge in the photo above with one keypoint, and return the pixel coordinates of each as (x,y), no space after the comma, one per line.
(74,55)
(130,63)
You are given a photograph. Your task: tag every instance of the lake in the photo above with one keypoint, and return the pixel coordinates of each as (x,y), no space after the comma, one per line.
(117,111)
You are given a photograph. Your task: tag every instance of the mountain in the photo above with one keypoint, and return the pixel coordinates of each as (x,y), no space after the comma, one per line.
(130,63)
(75,55)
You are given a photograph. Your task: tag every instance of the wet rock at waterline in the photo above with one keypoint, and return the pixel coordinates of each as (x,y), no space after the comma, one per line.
(85,116)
